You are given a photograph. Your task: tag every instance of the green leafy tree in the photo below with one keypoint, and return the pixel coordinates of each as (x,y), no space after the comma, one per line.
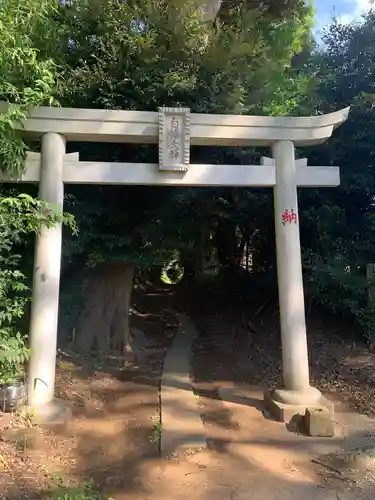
(28,77)
(145,54)
(338,225)
(125,55)
(141,55)
(19,215)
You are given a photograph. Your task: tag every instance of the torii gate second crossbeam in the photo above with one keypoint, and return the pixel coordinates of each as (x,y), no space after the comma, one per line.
(149,174)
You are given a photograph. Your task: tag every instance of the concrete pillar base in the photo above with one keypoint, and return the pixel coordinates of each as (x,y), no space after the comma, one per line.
(56,413)
(285,412)
(309,395)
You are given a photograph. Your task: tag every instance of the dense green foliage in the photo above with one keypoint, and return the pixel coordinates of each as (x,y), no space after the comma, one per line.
(19,216)
(339,225)
(144,54)
(28,77)
(140,55)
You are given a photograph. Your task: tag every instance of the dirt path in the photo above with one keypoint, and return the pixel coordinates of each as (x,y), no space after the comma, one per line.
(229,355)
(113,438)
(114,431)
(249,457)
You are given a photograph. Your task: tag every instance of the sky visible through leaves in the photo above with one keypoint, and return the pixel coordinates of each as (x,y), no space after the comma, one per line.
(344,10)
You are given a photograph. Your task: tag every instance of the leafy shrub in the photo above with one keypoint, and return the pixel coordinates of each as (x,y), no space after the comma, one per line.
(341,289)
(29,77)
(19,215)
(13,350)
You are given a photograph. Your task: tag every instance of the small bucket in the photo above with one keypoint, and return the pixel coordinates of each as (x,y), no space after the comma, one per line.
(12,396)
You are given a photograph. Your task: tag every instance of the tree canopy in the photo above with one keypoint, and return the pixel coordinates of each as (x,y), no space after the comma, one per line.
(28,73)
(254,58)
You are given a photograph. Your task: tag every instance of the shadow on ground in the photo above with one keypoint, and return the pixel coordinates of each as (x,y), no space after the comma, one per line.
(112,441)
(115,448)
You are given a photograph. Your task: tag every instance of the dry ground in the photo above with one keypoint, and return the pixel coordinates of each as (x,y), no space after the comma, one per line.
(228,349)
(113,438)
(114,427)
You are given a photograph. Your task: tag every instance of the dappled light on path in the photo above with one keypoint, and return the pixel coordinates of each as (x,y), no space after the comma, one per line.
(113,439)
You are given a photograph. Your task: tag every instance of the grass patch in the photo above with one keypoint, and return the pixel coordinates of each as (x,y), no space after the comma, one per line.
(156,435)
(82,492)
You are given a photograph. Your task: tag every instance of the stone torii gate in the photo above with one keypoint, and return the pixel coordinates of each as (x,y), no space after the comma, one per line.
(176,129)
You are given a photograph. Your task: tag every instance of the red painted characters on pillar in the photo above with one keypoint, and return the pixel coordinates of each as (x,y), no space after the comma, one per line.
(289,217)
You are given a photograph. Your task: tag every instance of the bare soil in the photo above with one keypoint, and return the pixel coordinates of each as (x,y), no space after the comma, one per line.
(113,438)
(233,348)
(113,430)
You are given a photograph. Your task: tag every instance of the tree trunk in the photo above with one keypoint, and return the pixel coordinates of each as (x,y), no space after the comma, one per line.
(104,321)
(211,9)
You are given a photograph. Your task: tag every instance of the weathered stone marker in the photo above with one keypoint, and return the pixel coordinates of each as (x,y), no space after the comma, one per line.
(319,423)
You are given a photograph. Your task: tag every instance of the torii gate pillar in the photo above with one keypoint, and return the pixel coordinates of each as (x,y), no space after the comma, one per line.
(297,389)
(46,281)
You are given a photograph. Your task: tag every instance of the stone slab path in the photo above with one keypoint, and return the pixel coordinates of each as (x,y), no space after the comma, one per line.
(182,426)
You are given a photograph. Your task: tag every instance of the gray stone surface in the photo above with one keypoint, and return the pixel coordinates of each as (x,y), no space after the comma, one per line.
(181,425)
(285,413)
(318,422)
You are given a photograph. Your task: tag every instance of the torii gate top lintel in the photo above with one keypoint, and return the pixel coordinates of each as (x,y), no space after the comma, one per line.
(205,129)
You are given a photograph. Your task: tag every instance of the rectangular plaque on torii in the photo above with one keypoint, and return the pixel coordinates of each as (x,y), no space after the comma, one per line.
(174,139)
